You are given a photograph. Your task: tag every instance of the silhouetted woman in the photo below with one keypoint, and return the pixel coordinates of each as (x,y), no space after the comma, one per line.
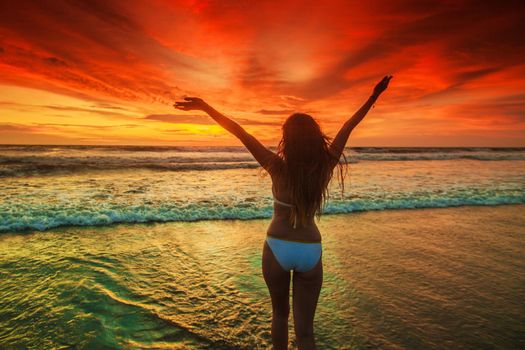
(300,171)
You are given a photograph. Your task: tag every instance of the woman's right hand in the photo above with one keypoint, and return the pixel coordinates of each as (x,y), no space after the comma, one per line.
(191,104)
(382,85)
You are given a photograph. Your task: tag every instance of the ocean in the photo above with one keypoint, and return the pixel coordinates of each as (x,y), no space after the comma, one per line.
(44,187)
(160,248)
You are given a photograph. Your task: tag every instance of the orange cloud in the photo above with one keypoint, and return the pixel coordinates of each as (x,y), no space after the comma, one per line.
(457,66)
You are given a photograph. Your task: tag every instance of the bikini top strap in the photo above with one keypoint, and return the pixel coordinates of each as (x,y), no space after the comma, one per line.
(283,203)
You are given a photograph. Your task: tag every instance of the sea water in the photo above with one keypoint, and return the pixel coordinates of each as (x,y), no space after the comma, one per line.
(178,274)
(43,187)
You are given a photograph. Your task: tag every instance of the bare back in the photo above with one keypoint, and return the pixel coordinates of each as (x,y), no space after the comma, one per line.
(280,226)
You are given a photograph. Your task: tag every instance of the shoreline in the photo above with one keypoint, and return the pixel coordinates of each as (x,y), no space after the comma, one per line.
(226,220)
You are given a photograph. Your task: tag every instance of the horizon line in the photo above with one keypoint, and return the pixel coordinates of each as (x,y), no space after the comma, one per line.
(238,146)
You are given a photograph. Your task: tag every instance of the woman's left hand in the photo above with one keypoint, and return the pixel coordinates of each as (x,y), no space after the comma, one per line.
(382,85)
(191,104)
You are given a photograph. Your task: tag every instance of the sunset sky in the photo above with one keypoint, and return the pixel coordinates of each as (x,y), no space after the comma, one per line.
(108,72)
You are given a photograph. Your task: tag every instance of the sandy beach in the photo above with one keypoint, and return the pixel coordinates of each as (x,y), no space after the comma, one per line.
(395,279)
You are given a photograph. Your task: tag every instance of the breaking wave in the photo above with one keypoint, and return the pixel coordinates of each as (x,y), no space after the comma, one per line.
(48,216)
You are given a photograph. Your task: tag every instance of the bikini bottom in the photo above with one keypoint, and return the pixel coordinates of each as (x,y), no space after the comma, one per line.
(297,256)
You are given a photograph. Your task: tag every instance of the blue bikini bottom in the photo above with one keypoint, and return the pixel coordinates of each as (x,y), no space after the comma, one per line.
(297,256)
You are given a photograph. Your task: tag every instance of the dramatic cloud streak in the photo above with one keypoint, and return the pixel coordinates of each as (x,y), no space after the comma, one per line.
(459,76)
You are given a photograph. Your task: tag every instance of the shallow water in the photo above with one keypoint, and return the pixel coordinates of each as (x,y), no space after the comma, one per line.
(399,279)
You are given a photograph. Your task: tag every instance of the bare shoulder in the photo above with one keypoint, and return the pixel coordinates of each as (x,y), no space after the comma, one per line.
(275,168)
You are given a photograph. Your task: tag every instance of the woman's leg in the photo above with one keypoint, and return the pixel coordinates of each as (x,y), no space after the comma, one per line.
(278,282)
(306,289)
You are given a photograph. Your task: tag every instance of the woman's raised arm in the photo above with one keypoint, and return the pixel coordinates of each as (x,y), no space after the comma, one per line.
(262,154)
(339,142)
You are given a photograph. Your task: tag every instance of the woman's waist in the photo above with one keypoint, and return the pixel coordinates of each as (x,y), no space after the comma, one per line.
(285,231)
(292,239)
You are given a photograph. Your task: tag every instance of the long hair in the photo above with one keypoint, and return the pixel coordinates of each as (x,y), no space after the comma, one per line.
(306,163)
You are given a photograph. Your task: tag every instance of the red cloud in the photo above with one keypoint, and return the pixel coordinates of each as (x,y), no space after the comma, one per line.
(273,56)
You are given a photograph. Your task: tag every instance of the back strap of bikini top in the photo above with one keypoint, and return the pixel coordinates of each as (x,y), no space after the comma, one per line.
(283,203)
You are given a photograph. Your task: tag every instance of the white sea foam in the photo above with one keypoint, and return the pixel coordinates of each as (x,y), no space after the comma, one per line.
(86,214)
(46,187)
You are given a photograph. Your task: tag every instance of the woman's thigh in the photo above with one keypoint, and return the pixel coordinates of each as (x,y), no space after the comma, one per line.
(306,290)
(277,280)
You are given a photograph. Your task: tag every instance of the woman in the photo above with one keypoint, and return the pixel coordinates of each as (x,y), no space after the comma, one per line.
(300,172)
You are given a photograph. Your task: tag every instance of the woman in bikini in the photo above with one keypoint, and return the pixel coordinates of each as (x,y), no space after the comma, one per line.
(300,170)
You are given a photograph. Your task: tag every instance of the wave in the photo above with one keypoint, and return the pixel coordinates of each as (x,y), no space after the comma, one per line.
(435,149)
(45,217)
(110,148)
(439,156)
(13,164)
(34,165)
